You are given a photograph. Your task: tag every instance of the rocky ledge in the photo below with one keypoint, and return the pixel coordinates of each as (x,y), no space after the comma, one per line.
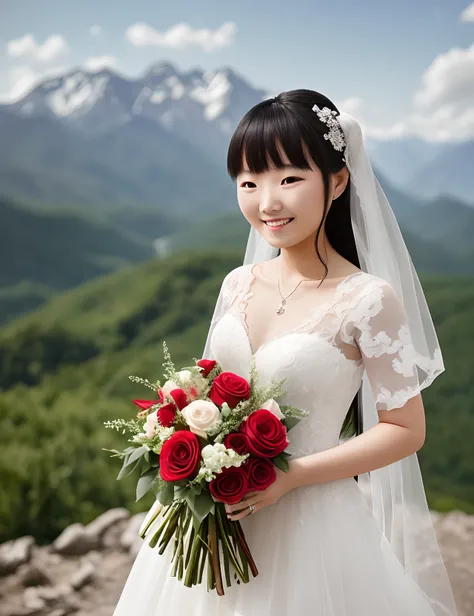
(83,571)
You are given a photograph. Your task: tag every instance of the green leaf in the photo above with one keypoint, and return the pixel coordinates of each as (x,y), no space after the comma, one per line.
(281,462)
(145,463)
(144,484)
(180,492)
(290,422)
(197,489)
(127,469)
(203,505)
(166,494)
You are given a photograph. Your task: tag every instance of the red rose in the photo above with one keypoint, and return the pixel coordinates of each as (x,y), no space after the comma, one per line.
(260,473)
(229,387)
(238,441)
(180,456)
(180,397)
(230,485)
(267,435)
(166,414)
(207,365)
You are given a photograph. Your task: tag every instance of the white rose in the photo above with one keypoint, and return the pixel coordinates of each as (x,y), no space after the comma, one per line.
(193,384)
(201,415)
(273,406)
(169,386)
(151,423)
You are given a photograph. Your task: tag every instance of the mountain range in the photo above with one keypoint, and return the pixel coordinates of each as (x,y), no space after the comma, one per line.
(95,139)
(98,171)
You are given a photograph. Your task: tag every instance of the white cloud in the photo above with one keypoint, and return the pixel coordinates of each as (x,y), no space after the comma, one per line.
(95,30)
(443,105)
(24,79)
(181,35)
(97,63)
(468,13)
(53,47)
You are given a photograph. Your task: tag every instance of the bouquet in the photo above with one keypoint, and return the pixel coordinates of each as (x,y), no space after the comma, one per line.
(207,439)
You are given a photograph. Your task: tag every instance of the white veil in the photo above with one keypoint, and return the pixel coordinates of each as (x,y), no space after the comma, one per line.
(396,491)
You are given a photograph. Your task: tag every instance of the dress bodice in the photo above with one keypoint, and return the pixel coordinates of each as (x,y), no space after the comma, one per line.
(359,325)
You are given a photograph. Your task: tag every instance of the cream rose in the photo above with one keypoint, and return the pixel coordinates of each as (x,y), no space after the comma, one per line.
(169,386)
(273,406)
(193,384)
(150,425)
(201,415)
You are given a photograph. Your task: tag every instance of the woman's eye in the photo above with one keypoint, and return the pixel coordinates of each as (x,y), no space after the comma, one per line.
(291,177)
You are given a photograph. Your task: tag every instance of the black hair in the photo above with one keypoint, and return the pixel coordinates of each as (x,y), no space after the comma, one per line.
(289,119)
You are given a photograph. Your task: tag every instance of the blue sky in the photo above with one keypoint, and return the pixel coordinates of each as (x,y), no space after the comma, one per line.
(374,55)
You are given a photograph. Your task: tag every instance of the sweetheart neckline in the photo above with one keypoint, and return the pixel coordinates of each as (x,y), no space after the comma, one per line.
(237,318)
(241,317)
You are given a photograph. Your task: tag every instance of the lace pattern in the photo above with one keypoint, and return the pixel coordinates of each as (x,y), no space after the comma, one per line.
(376,322)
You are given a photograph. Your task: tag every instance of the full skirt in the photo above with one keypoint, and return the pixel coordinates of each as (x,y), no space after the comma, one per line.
(319,552)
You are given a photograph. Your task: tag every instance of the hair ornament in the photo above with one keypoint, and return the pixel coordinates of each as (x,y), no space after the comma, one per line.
(335,134)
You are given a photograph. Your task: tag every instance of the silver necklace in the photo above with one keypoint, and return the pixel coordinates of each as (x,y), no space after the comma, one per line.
(280,309)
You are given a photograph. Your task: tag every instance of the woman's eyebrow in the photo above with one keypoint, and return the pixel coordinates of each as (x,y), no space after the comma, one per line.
(286,166)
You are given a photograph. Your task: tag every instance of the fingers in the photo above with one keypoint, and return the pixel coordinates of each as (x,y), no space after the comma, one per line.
(244,503)
(245,512)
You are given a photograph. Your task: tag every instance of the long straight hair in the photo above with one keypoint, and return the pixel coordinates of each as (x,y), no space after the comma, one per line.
(289,118)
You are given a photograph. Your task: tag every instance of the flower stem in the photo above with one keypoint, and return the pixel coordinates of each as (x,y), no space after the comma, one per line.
(214,554)
(190,567)
(154,539)
(225,540)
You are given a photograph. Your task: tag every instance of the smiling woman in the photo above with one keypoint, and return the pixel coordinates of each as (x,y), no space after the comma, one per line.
(329,303)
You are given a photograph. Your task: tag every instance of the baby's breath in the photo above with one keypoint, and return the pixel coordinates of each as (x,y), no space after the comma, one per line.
(146,382)
(121,425)
(168,365)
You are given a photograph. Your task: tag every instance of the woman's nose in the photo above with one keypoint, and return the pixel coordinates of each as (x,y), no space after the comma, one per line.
(269,203)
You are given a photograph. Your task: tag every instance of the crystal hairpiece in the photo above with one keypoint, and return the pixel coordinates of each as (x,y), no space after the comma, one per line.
(335,134)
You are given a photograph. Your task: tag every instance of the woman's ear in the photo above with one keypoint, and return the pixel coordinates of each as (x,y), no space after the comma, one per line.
(340,179)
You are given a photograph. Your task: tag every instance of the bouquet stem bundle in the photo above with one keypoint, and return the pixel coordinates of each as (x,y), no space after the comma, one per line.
(196,547)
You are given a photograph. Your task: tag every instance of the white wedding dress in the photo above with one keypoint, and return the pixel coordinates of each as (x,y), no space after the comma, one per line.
(318,550)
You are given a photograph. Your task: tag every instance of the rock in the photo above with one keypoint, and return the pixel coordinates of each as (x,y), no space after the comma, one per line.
(14,553)
(61,598)
(36,575)
(83,576)
(111,537)
(75,540)
(130,539)
(32,600)
(108,519)
(94,558)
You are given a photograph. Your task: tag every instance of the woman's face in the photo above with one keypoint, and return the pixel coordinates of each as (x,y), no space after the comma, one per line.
(283,193)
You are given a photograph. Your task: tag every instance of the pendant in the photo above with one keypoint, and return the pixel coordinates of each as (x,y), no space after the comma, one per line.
(280,309)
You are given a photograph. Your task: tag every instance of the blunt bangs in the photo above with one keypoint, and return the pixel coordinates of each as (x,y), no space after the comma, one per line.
(258,134)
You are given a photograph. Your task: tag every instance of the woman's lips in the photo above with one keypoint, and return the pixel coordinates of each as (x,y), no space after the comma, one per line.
(272,228)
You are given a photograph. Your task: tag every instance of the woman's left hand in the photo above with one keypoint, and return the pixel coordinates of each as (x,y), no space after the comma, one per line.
(260,498)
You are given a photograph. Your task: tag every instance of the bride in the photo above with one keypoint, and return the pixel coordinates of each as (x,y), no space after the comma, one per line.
(328,298)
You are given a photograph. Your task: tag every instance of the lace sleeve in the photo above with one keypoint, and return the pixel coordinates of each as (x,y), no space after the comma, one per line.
(378,325)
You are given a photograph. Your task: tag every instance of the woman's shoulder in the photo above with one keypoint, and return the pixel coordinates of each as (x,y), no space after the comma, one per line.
(235,279)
